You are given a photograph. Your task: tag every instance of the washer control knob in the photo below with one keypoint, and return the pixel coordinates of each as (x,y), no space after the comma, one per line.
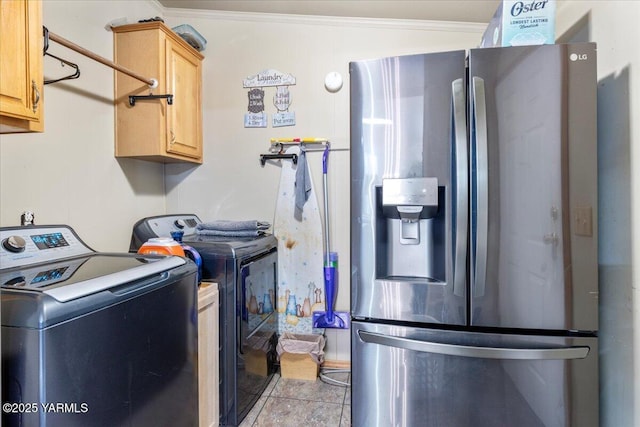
(16,281)
(14,244)
(179,223)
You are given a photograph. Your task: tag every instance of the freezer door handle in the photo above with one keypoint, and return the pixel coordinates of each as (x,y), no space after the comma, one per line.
(458,117)
(554,353)
(479,264)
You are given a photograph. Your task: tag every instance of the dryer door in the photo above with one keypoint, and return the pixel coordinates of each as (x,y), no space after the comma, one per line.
(257,327)
(258,294)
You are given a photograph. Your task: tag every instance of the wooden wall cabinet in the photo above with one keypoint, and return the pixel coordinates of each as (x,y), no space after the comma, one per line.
(21,81)
(208,359)
(153,129)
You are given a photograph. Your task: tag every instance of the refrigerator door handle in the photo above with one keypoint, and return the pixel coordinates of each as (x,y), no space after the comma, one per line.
(482,186)
(554,353)
(458,116)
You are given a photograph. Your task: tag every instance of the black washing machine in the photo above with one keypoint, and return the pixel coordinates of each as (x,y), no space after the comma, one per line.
(95,339)
(245,269)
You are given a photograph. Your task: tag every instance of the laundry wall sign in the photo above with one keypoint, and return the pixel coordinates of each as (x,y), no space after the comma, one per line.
(282,101)
(256,115)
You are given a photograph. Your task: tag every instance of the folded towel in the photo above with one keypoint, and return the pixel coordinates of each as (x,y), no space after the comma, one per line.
(303,181)
(233,233)
(227,225)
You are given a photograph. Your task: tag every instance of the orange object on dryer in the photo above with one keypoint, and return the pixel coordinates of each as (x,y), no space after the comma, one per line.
(161,246)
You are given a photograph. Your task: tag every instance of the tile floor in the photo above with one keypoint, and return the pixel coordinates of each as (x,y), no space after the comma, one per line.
(298,403)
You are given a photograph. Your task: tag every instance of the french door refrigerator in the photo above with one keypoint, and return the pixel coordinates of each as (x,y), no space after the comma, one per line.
(474,288)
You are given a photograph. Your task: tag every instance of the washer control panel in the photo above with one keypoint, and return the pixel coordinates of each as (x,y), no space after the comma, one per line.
(21,246)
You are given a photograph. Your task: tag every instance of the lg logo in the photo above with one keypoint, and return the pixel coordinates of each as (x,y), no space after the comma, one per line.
(578,57)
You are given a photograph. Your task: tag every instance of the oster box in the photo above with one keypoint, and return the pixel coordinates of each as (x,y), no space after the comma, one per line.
(518,23)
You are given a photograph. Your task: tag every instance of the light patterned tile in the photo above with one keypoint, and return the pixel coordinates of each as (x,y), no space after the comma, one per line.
(345,420)
(286,402)
(272,384)
(254,412)
(347,396)
(309,390)
(286,412)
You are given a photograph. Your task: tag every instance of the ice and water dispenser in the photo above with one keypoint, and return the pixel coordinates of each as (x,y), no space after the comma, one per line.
(410,228)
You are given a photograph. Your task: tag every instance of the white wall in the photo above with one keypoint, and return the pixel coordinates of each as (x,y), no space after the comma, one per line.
(68,174)
(231,184)
(614,26)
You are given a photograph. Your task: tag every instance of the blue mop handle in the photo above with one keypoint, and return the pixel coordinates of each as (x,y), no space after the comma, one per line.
(325,158)
(329,290)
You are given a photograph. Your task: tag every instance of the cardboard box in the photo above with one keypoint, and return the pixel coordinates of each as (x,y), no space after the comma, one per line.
(257,351)
(300,355)
(298,366)
(255,362)
(518,23)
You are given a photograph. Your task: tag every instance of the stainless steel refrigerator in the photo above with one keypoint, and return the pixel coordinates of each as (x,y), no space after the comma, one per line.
(474,288)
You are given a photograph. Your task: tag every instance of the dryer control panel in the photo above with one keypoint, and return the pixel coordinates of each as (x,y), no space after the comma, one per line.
(162,226)
(22,246)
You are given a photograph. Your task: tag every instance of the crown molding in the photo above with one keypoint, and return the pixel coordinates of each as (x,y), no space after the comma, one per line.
(313,20)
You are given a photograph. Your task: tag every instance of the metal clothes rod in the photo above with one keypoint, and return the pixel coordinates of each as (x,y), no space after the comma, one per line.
(298,140)
(278,144)
(66,43)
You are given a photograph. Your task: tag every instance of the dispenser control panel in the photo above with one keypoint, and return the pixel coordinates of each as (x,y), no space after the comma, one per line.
(410,192)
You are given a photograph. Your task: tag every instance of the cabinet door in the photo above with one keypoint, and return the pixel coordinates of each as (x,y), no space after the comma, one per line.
(21,67)
(184,134)
(208,378)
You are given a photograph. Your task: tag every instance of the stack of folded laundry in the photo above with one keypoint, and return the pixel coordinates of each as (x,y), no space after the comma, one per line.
(225,228)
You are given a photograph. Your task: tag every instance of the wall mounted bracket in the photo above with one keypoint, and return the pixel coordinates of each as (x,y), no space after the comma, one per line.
(134,98)
(265,157)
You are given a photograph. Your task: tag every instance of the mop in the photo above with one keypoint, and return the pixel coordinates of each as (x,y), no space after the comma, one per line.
(329,318)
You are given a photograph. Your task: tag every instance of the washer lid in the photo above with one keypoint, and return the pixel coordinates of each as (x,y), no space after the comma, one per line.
(74,278)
